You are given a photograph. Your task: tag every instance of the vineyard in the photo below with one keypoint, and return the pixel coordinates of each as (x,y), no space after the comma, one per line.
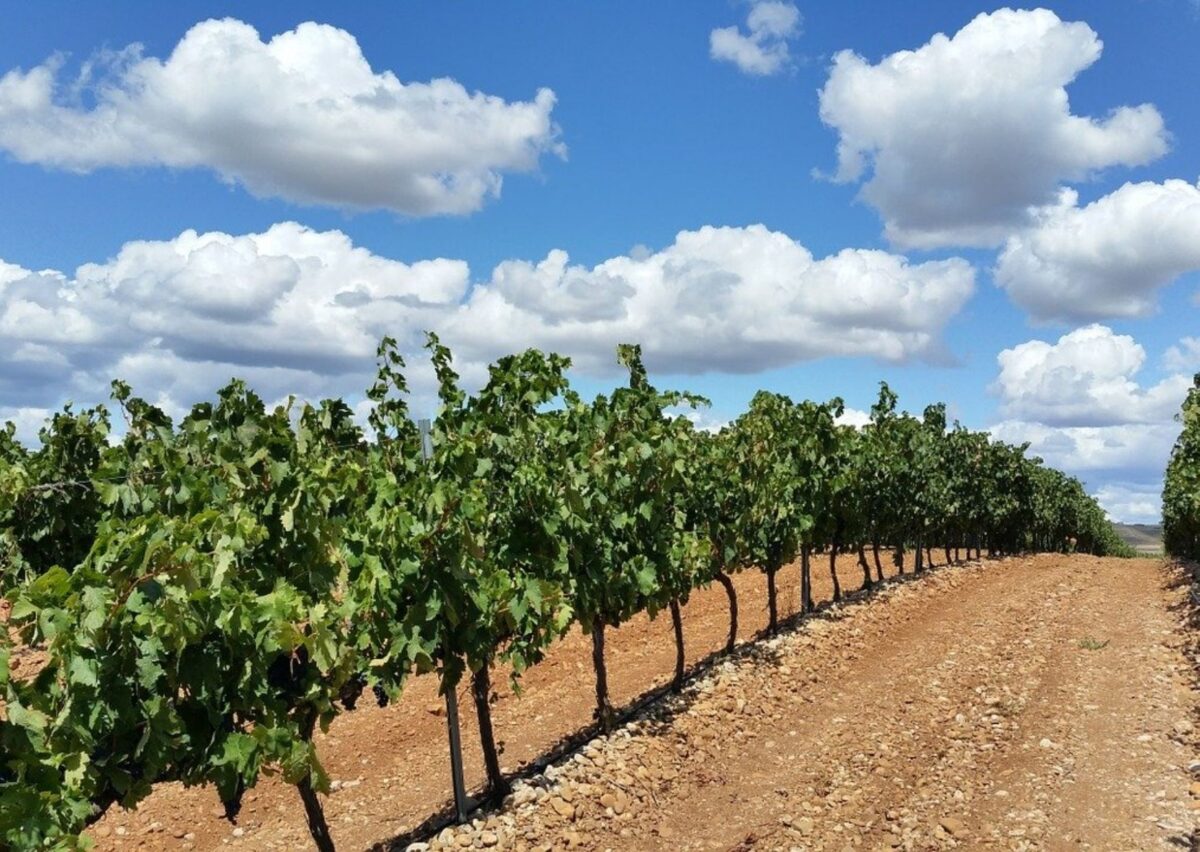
(203,596)
(1181,491)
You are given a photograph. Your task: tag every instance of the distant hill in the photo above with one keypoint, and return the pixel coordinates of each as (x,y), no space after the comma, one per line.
(1143,537)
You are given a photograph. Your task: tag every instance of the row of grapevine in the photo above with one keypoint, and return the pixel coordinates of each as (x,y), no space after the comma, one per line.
(208,593)
(1181,491)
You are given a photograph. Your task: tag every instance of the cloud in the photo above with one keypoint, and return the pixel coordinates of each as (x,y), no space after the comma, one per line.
(295,310)
(1085,379)
(1137,451)
(1184,356)
(1078,403)
(290,309)
(854,417)
(302,116)
(1131,503)
(963,136)
(28,421)
(763,51)
(1108,259)
(735,300)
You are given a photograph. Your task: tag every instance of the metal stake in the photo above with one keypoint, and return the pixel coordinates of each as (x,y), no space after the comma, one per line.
(461,803)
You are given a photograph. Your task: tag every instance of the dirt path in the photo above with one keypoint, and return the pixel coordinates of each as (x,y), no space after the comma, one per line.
(1040,703)
(1022,704)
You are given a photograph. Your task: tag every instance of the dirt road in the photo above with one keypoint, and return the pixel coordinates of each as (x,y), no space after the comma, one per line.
(1040,703)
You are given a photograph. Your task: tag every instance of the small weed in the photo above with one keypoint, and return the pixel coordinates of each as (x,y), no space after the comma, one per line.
(1089,643)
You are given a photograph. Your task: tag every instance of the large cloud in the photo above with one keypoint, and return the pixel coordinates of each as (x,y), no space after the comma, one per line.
(729,299)
(1135,452)
(967,133)
(1087,378)
(1078,403)
(1107,259)
(295,310)
(302,116)
(290,309)
(763,50)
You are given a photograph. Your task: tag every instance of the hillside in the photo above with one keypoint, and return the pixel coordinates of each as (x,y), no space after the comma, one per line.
(1142,537)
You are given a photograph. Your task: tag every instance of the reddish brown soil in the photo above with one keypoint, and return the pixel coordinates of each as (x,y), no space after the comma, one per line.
(968,709)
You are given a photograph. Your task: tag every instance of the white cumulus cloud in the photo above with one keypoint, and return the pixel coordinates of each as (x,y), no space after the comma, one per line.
(294,310)
(964,135)
(728,299)
(1107,259)
(1137,451)
(1086,378)
(1079,404)
(763,49)
(290,309)
(1131,503)
(302,116)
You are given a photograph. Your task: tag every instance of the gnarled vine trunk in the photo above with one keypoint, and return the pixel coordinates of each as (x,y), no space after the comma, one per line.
(604,709)
(866,569)
(318,827)
(837,587)
(677,624)
(772,600)
(806,603)
(731,593)
(481,688)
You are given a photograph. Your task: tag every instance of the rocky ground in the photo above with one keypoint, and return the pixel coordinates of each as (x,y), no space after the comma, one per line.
(1026,703)
(1035,704)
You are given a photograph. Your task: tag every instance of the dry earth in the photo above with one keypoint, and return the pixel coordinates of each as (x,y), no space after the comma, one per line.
(1027,703)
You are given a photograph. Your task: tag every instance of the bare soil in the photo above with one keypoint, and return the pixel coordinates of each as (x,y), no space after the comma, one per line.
(1026,703)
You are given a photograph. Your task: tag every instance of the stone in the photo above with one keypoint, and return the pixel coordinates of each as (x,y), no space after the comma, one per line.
(804,825)
(953,826)
(562,808)
(489,838)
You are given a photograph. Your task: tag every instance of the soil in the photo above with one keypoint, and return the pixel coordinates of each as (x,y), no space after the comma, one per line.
(1027,703)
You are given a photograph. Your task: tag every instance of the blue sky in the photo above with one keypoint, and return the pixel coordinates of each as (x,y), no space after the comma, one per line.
(653,129)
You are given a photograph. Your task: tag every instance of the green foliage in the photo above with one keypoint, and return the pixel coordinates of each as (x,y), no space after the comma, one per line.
(489,514)
(1181,491)
(49,507)
(626,518)
(209,592)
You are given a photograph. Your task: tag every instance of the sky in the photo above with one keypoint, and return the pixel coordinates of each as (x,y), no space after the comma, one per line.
(992,207)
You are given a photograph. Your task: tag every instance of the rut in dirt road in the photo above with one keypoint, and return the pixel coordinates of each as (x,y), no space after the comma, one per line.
(1033,703)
